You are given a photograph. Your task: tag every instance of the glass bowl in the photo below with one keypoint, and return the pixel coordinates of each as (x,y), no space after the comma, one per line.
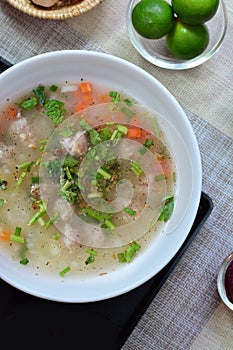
(221,281)
(155,50)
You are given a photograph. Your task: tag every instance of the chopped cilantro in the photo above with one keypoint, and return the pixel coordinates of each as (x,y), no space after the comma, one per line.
(29,103)
(40,95)
(2,202)
(129,253)
(53,88)
(54,110)
(94,135)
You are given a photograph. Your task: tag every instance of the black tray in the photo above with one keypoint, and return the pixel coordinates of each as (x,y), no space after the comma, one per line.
(103,324)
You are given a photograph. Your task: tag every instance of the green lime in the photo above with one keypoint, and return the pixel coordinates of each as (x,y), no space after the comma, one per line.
(152,19)
(186,41)
(195,11)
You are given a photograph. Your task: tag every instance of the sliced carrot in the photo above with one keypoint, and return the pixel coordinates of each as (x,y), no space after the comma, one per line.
(88,99)
(11,113)
(103,99)
(80,107)
(5,235)
(135,133)
(85,87)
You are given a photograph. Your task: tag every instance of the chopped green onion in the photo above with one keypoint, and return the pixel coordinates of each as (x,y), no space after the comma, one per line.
(114,135)
(35,179)
(104,173)
(68,174)
(113,94)
(122,129)
(56,236)
(95,195)
(20,179)
(64,271)
(24,261)
(128,102)
(129,211)
(97,215)
(41,222)
(51,220)
(148,143)
(66,186)
(2,202)
(43,141)
(18,231)
(136,168)
(26,165)
(116,96)
(109,224)
(167,209)
(92,253)
(38,214)
(17,239)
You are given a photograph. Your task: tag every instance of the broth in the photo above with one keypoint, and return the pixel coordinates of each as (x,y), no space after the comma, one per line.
(30,230)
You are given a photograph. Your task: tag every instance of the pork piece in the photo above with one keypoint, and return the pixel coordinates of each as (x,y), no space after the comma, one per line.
(45,3)
(35,191)
(76,145)
(21,128)
(6,152)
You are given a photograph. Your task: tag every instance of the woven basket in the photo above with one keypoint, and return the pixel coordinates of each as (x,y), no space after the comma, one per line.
(63,10)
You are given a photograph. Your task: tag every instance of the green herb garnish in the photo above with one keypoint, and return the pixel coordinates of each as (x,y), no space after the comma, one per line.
(167,208)
(64,271)
(129,211)
(91,258)
(53,88)
(24,261)
(129,253)
(40,95)
(17,239)
(55,111)
(29,103)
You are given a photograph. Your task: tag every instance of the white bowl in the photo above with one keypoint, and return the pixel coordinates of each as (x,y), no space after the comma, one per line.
(71,65)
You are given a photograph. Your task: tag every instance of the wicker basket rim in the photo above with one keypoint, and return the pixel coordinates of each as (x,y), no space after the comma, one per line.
(65,12)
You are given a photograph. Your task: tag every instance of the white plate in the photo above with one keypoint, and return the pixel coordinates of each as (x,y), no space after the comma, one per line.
(117,73)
